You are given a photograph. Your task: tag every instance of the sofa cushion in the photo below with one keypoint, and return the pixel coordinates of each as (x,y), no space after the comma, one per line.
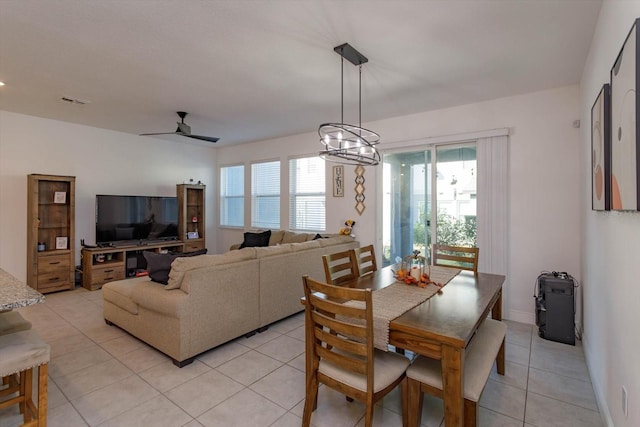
(119,293)
(159,265)
(256,239)
(151,296)
(181,265)
(276,237)
(291,237)
(303,246)
(280,249)
(336,240)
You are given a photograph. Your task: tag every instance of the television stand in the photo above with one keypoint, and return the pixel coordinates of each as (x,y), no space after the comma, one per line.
(106,264)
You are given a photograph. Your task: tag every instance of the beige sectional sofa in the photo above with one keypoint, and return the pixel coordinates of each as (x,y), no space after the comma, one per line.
(211,299)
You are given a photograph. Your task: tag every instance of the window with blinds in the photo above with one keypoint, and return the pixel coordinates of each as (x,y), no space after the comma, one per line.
(232,196)
(265,195)
(307,194)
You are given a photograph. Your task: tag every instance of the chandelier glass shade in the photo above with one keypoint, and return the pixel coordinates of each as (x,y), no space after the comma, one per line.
(345,143)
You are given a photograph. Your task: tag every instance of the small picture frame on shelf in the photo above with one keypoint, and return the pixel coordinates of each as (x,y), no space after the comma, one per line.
(60,197)
(61,242)
(192,235)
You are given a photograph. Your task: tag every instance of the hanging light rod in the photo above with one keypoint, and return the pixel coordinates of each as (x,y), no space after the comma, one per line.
(345,143)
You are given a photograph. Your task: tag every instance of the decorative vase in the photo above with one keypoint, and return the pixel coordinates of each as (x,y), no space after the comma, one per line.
(416,266)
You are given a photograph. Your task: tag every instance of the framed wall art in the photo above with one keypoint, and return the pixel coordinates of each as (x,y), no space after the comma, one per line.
(625,146)
(601,151)
(338,181)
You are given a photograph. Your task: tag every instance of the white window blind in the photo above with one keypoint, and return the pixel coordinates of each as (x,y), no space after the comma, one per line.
(232,196)
(307,196)
(265,195)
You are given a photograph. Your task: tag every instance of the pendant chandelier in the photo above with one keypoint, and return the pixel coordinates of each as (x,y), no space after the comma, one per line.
(345,143)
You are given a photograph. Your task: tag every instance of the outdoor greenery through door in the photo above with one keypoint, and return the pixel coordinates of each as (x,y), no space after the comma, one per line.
(411,187)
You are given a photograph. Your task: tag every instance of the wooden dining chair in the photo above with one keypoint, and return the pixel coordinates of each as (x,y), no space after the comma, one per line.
(339,349)
(455,256)
(340,267)
(425,374)
(365,260)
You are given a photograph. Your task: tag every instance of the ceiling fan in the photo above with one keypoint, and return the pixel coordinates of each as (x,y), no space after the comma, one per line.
(184,130)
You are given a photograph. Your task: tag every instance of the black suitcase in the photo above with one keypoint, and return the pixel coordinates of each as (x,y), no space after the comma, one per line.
(555,307)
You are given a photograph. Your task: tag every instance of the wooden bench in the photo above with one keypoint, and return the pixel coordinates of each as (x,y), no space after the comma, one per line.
(425,374)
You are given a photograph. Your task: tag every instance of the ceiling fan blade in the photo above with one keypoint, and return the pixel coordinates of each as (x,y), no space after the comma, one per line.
(184,128)
(203,138)
(159,133)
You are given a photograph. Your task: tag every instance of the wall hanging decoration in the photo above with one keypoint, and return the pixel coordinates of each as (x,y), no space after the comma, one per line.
(601,151)
(625,146)
(338,181)
(359,189)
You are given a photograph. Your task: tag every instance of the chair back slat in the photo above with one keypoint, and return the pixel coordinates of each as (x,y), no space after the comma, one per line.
(339,308)
(365,260)
(345,360)
(340,267)
(456,256)
(351,346)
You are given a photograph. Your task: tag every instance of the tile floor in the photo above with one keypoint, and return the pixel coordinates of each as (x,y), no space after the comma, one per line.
(101,376)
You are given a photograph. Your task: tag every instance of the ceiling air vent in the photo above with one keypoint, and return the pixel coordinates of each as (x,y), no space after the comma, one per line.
(71,100)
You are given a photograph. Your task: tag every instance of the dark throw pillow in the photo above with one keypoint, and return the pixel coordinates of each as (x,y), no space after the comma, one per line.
(256,239)
(318,236)
(159,265)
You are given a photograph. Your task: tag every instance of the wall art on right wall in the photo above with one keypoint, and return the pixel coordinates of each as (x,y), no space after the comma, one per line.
(625,146)
(601,151)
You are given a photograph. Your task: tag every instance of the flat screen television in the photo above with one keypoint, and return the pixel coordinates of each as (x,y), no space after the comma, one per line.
(122,219)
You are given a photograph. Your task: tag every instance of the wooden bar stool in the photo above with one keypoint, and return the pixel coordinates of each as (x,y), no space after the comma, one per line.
(10,322)
(20,352)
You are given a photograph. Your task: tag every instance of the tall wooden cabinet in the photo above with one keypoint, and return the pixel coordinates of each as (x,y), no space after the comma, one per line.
(191,216)
(50,232)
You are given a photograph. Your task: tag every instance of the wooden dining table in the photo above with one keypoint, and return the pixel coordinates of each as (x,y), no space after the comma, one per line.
(442,326)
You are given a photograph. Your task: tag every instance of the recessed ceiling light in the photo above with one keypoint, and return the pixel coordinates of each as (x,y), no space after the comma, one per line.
(1,83)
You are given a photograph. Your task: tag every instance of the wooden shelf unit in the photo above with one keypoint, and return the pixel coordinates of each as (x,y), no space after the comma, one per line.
(191,206)
(50,220)
(102,265)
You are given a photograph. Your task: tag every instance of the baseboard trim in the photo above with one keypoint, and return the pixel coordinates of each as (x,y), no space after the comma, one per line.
(521,316)
(601,399)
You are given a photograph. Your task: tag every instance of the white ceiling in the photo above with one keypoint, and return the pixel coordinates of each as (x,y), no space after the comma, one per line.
(251,70)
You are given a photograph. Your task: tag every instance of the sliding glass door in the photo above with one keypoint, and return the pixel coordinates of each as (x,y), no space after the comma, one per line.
(412,187)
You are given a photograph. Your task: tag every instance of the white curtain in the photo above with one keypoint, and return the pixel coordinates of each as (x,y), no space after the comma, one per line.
(493,205)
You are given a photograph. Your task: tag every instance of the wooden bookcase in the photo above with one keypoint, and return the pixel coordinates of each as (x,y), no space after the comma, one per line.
(191,216)
(50,232)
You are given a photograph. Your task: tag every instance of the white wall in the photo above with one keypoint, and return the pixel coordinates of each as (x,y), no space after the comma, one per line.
(611,247)
(544,180)
(103,162)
